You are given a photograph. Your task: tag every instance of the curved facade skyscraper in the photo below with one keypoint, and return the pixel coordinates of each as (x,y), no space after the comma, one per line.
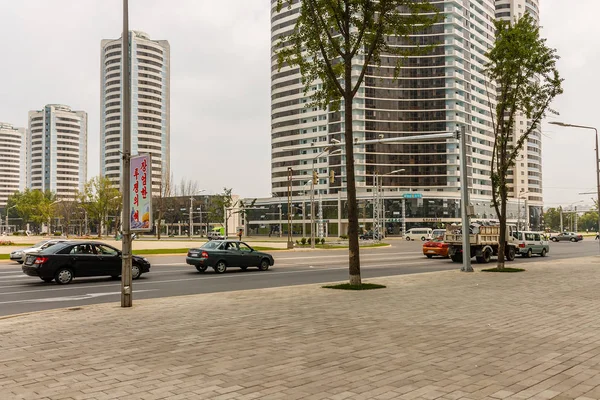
(150,105)
(57,150)
(12,161)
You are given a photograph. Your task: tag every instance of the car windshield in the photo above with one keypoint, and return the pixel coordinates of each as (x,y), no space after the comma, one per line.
(213,244)
(40,244)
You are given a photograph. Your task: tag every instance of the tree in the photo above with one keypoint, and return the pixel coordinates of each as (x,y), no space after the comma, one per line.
(187,188)
(552,219)
(99,198)
(164,194)
(216,207)
(34,205)
(527,80)
(69,210)
(330,40)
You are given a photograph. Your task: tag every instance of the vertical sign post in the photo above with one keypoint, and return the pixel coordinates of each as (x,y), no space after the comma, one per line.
(140,216)
(126,292)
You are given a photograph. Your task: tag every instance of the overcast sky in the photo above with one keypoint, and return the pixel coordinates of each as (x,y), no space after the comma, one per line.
(220,82)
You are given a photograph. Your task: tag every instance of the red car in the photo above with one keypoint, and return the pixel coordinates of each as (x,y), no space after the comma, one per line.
(435,247)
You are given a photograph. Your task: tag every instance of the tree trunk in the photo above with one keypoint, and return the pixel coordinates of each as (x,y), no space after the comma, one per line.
(158,225)
(353,247)
(502,220)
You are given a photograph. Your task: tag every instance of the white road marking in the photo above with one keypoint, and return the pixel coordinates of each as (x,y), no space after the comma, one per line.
(71,298)
(247,276)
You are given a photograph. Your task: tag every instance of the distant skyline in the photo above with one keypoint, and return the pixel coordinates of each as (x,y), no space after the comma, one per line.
(220,83)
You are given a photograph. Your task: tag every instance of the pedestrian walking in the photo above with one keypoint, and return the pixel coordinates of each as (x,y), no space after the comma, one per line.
(597,235)
(240,234)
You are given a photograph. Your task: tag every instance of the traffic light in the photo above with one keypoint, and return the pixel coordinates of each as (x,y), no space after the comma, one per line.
(315,177)
(331,176)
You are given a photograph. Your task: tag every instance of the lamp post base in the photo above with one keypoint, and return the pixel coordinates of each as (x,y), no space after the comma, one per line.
(290,244)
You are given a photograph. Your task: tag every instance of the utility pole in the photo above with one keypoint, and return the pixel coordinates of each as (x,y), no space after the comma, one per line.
(191,217)
(464,188)
(290,243)
(575,230)
(126,288)
(561,219)
(312,209)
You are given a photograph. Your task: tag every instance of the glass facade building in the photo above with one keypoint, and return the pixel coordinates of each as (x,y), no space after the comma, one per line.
(12,161)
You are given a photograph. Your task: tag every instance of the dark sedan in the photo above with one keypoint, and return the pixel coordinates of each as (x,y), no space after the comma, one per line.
(222,254)
(68,260)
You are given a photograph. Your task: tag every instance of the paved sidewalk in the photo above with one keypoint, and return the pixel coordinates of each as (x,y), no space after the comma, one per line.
(446,335)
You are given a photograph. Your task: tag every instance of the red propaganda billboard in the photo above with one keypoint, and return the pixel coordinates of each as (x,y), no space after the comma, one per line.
(141,193)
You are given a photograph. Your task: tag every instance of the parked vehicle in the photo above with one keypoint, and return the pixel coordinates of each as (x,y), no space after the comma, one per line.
(567,236)
(214,235)
(418,233)
(20,255)
(435,247)
(438,233)
(223,254)
(370,236)
(65,261)
(484,241)
(529,243)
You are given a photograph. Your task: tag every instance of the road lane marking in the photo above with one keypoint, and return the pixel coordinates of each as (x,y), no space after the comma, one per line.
(137,283)
(72,298)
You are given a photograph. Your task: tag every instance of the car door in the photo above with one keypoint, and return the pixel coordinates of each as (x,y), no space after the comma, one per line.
(231,254)
(82,260)
(249,258)
(109,260)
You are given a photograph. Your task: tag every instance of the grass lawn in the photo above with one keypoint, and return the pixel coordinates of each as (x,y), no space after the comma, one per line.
(4,256)
(337,246)
(347,286)
(160,251)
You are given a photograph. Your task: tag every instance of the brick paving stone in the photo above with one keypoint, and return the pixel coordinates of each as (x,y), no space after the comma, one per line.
(444,335)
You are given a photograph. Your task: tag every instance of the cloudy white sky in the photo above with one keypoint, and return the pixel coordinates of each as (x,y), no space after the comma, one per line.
(220,107)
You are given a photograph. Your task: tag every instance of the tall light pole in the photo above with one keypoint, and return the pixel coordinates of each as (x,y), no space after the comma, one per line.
(290,243)
(192,213)
(596,162)
(126,289)
(8,208)
(519,210)
(378,205)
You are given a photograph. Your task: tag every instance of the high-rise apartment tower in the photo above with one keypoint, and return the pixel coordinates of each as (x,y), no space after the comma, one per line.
(150,105)
(12,161)
(57,150)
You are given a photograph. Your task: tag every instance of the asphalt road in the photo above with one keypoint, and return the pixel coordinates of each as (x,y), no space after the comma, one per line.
(170,276)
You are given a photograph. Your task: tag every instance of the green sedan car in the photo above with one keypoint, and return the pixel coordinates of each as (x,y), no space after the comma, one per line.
(223,254)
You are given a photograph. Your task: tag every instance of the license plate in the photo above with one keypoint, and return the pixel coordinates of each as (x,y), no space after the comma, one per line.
(431,251)
(193,254)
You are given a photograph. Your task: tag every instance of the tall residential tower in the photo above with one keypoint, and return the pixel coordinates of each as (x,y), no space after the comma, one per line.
(57,150)
(150,105)
(12,161)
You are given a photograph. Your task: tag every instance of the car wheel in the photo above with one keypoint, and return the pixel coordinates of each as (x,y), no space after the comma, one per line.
(201,268)
(264,265)
(543,253)
(136,271)
(529,253)
(47,280)
(554,240)
(429,255)
(457,258)
(510,253)
(408,239)
(221,267)
(20,261)
(422,238)
(573,240)
(63,276)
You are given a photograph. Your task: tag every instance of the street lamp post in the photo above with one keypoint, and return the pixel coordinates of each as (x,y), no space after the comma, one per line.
(192,213)
(8,208)
(126,288)
(596,161)
(379,203)
(519,210)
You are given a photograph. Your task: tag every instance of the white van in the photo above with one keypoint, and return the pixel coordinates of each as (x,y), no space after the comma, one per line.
(419,233)
(530,243)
